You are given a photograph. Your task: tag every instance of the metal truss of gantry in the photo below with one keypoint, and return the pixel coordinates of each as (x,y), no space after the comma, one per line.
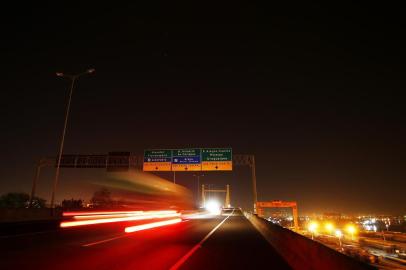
(208,190)
(279,204)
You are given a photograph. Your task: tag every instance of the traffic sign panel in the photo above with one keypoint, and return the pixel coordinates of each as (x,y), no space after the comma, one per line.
(217,166)
(186,152)
(186,160)
(157,160)
(217,159)
(157,166)
(186,167)
(163,153)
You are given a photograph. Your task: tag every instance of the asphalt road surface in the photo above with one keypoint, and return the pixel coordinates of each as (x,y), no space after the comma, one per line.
(215,242)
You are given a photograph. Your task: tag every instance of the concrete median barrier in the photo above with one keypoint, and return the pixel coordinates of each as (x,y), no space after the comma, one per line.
(301,252)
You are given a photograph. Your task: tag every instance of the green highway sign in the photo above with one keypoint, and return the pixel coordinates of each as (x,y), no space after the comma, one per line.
(217,159)
(158,153)
(157,160)
(186,152)
(217,154)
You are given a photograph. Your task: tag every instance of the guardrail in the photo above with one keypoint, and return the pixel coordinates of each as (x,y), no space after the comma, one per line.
(301,252)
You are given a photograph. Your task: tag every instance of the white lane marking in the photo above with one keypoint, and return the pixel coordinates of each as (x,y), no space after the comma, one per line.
(197,246)
(105,240)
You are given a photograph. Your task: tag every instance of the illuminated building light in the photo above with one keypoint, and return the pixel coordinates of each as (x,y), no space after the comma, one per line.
(66,224)
(151,225)
(338,233)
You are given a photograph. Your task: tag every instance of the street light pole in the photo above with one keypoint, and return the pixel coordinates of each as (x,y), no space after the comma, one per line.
(73,79)
(254,183)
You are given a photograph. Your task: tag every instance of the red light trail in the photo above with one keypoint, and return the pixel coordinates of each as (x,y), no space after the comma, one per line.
(114,216)
(152,225)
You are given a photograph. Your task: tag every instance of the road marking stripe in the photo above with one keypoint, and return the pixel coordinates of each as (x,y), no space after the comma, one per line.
(104,241)
(197,246)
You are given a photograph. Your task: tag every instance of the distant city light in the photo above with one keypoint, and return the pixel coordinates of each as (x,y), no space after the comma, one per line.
(329,227)
(351,229)
(313,226)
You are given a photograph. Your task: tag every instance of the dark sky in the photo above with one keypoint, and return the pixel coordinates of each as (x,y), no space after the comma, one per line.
(313,91)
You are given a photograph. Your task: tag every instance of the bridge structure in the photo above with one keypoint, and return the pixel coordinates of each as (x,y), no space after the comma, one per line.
(208,190)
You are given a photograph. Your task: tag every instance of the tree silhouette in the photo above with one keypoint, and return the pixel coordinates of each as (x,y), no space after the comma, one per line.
(20,200)
(102,199)
(72,204)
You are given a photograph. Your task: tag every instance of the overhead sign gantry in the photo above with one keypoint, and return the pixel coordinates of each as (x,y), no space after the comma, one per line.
(194,159)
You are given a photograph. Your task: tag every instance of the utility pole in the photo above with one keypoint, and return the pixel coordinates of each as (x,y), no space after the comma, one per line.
(254,183)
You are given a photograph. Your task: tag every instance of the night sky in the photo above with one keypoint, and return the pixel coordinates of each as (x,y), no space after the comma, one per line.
(315,92)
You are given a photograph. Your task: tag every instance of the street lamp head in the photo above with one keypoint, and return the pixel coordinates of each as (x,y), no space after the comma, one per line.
(91,70)
(59,74)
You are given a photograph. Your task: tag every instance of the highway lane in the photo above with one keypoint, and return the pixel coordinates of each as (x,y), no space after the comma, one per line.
(231,243)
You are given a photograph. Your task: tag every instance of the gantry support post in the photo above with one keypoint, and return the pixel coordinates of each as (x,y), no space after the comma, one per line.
(228,196)
(203,197)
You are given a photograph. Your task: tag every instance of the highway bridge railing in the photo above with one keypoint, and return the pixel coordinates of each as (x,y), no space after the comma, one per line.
(303,253)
